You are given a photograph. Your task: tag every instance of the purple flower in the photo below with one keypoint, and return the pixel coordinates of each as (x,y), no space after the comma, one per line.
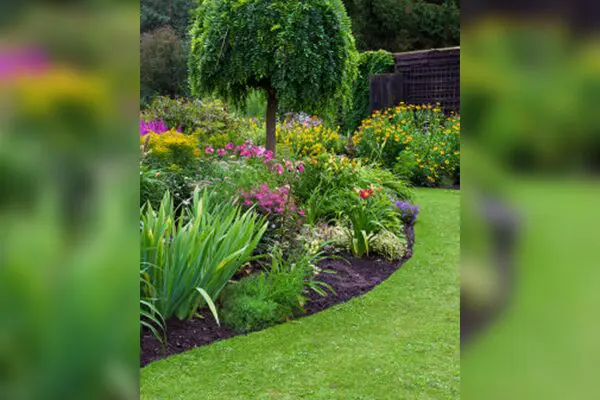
(156,126)
(408,212)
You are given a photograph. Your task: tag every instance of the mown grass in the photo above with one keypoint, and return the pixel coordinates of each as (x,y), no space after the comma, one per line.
(400,341)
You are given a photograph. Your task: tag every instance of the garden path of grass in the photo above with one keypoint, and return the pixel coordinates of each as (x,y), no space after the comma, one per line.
(400,341)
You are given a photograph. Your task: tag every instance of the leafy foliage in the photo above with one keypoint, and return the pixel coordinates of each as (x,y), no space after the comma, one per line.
(303,50)
(369,63)
(191,259)
(204,117)
(270,297)
(389,245)
(403,25)
(163,68)
(157,13)
(418,141)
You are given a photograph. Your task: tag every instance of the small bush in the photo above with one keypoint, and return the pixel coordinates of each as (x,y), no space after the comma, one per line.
(171,148)
(388,245)
(273,296)
(163,64)
(206,118)
(265,299)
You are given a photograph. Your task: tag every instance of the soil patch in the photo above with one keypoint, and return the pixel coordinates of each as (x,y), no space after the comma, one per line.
(353,277)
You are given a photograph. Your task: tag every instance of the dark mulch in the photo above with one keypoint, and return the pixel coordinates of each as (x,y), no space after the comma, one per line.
(353,277)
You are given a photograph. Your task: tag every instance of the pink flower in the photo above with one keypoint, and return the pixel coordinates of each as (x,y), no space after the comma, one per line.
(300,168)
(248,202)
(278,168)
(268,155)
(209,150)
(301,213)
(229,146)
(221,152)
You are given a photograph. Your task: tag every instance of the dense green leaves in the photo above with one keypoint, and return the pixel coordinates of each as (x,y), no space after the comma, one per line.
(403,25)
(189,259)
(369,63)
(304,50)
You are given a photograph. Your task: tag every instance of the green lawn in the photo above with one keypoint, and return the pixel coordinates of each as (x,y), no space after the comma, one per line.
(400,341)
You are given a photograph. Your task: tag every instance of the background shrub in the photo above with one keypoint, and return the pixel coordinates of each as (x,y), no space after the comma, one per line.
(207,118)
(369,63)
(163,64)
(403,25)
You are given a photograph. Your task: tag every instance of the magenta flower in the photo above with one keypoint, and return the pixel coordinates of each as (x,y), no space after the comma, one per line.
(300,168)
(301,213)
(209,150)
(229,146)
(278,168)
(155,126)
(221,152)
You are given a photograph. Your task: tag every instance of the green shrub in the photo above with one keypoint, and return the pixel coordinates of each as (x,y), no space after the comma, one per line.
(152,188)
(369,63)
(323,187)
(207,118)
(388,245)
(163,69)
(403,25)
(189,260)
(367,212)
(273,296)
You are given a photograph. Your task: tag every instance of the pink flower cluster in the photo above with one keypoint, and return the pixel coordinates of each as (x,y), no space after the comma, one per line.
(247,150)
(269,201)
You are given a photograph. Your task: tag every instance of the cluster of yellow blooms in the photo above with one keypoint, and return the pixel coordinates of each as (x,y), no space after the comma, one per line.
(171,148)
(336,164)
(421,134)
(308,140)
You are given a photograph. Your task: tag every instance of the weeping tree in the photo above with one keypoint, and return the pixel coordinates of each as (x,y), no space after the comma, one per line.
(301,53)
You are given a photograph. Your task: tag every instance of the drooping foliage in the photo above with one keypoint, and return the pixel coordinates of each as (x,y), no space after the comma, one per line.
(369,63)
(300,52)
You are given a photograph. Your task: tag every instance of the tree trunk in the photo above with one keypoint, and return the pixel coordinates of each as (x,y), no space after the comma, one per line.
(271,119)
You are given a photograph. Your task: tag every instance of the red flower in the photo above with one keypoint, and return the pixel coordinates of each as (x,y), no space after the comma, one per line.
(365,193)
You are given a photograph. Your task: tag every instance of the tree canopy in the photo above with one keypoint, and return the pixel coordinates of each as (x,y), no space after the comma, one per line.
(301,52)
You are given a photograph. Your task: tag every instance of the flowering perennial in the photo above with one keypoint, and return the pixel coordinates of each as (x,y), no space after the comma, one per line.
(408,212)
(157,126)
(271,201)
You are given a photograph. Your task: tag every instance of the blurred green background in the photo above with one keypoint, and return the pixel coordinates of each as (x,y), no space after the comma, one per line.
(530,143)
(69,87)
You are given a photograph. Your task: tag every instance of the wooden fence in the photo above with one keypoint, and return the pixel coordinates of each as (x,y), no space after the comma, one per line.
(420,77)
